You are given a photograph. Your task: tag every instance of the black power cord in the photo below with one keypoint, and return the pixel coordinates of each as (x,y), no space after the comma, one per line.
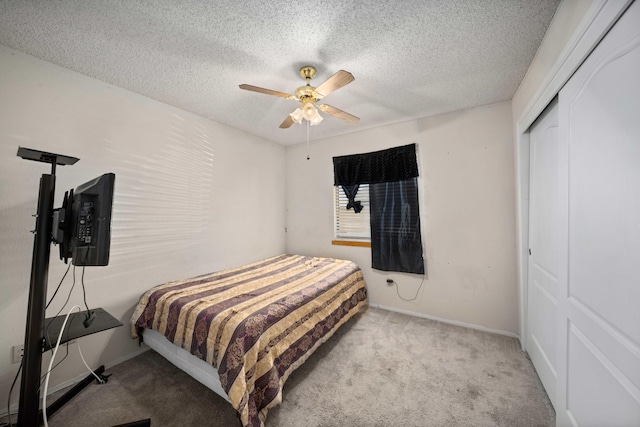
(65,303)
(393,282)
(90,314)
(58,287)
(13,384)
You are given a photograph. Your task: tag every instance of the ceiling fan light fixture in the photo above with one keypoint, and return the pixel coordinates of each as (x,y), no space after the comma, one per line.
(309,111)
(297,115)
(316,120)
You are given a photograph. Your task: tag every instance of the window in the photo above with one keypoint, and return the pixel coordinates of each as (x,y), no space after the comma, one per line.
(350,225)
(391,204)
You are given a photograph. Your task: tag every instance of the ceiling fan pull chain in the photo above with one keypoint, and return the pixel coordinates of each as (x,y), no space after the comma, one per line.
(308,124)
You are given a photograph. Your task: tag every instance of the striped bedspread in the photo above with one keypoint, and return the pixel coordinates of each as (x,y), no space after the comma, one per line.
(255,323)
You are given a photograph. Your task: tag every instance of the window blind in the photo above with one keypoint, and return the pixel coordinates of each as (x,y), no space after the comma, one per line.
(348,224)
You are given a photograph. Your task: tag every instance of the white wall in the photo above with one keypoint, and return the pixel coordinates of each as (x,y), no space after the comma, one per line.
(191,196)
(467,214)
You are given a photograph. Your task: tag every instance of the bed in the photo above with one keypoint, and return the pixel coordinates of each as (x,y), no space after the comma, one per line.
(242,331)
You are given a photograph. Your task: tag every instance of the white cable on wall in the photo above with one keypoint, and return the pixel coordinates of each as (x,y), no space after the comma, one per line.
(55,351)
(100,380)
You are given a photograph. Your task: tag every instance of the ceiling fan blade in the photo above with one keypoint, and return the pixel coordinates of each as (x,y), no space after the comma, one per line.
(267,91)
(336,112)
(335,82)
(287,123)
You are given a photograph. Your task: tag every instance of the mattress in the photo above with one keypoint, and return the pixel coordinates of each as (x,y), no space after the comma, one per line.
(254,324)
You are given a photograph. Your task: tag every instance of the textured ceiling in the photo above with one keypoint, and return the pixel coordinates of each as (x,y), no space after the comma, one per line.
(409,58)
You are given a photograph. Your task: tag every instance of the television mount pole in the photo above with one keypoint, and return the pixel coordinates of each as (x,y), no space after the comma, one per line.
(28,411)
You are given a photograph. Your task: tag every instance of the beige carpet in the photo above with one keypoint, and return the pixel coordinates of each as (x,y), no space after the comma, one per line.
(380,369)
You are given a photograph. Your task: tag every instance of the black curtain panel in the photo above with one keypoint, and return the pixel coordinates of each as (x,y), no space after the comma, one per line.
(396,242)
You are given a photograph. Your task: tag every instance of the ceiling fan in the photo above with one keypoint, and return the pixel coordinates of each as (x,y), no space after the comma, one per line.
(309,95)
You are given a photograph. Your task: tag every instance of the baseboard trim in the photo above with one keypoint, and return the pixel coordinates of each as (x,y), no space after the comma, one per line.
(76,380)
(143,349)
(451,322)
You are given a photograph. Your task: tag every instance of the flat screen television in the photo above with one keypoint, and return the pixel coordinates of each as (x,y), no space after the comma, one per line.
(82,226)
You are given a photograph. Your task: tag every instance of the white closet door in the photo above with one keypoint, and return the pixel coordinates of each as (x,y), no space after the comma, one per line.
(542,299)
(599,293)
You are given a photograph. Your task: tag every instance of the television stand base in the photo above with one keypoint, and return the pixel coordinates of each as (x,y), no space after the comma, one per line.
(71,393)
(141,423)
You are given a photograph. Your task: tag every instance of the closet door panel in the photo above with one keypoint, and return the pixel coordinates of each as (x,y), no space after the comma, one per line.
(544,244)
(599,298)
(604,194)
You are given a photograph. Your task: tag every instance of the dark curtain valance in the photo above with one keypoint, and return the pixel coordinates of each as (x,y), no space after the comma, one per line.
(394,164)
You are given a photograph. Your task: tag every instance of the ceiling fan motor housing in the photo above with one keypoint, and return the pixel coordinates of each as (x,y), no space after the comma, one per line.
(307,72)
(307,94)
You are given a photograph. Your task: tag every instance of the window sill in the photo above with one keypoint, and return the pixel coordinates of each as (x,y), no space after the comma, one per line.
(351,243)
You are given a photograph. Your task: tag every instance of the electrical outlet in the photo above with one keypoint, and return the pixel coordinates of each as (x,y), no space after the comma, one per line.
(17,353)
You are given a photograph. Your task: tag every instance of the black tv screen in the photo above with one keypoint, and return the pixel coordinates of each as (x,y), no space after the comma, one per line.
(82,227)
